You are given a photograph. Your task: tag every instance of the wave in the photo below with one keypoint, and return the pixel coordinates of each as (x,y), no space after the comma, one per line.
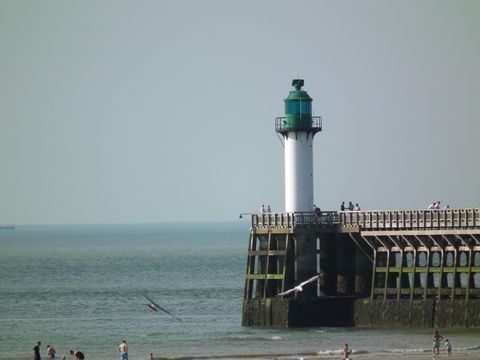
(421,351)
(161,334)
(328,353)
(469,348)
(244,356)
(403,351)
(252,338)
(323,354)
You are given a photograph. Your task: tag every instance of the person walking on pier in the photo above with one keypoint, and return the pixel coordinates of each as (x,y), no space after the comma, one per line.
(342,207)
(436,343)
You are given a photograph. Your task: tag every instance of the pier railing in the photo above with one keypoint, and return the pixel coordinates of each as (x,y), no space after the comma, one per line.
(412,219)
(324,218)
(375,220)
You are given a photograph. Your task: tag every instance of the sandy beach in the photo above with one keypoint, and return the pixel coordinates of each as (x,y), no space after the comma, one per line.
(441,357)
(362,355)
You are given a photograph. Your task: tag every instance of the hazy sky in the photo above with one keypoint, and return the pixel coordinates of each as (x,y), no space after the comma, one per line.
(158,111)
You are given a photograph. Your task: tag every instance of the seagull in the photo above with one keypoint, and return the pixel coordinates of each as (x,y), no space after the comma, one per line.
(155,307)
(300,286)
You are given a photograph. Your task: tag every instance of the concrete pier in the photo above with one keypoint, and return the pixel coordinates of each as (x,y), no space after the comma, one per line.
(377,268)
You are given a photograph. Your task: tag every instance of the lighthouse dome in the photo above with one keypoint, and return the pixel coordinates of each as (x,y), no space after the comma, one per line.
(298,107)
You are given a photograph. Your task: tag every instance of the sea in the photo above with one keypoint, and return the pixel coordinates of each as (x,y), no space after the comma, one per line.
(82,287)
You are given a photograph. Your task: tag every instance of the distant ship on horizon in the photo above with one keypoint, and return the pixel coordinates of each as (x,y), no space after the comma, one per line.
(7,227)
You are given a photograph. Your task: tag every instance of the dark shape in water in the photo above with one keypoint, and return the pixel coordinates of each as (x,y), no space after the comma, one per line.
(7,227)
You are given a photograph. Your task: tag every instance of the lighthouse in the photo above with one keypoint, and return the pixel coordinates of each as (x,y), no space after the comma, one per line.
(298,127)
(302,268)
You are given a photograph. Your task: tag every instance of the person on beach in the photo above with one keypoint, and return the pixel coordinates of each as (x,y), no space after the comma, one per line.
(123,348)
(150,357)
(50,352)
(436,343)
(346,351)
(77,354)
(36,351)
(448,347)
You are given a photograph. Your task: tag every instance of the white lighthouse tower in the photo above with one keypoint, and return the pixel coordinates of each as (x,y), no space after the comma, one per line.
(298,127)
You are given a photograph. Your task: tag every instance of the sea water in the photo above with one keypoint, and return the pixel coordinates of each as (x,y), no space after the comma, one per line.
(81,288)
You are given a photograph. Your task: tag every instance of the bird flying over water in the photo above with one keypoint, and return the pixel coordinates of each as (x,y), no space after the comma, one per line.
(155,307)
(300,286)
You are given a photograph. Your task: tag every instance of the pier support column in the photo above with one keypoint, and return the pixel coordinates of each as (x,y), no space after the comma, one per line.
(345,265)
(363,273)
(262,266)
(328,265)
(405,277)
(380,277)
(305,261)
